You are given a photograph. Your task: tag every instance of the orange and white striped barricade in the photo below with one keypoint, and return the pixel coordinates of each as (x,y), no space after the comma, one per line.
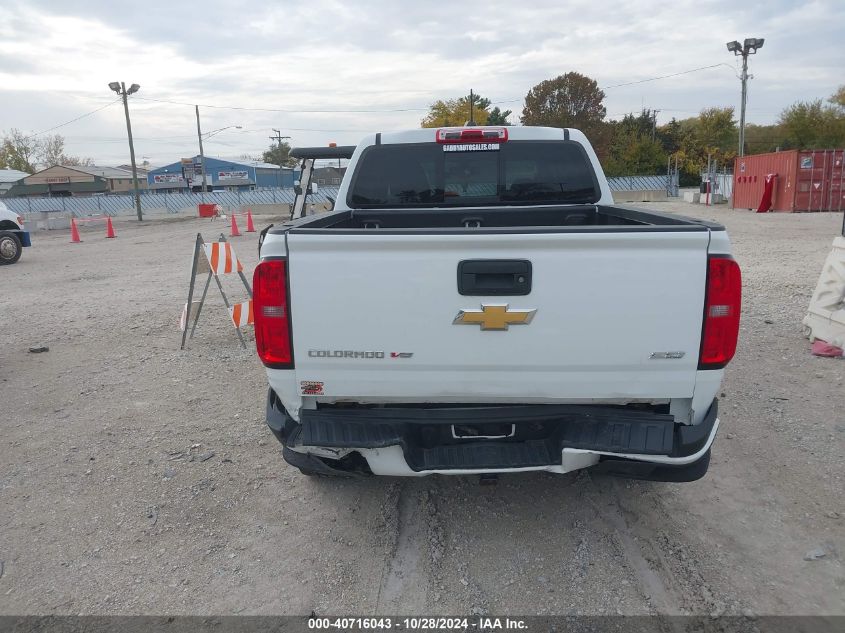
(241,314)
(216,259)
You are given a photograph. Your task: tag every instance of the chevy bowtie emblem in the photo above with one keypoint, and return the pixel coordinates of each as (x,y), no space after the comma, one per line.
(494,317)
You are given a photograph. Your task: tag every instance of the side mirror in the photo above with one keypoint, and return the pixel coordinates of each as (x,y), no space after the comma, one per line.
(331,208)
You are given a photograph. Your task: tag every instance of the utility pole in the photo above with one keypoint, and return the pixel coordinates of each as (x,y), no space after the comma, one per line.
(748,47)
(202,155)
(120,88)
(471,113)
(279,138)
(744,80)
(654,124)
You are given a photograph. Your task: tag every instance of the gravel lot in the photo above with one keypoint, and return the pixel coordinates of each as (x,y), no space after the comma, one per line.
(138,479)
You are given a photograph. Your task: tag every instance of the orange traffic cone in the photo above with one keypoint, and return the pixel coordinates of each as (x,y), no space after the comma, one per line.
(235,231)
(74,232)
(109,228)
(250,227)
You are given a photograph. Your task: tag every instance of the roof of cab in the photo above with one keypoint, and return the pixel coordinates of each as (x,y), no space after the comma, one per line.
(515,133)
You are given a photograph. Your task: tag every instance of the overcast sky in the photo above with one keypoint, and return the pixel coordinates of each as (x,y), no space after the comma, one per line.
(385,59)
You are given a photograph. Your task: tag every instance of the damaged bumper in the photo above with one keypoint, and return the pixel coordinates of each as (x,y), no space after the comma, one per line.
(415,441)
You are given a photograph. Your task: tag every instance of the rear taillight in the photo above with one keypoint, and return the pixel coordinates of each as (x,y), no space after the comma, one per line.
(272,316)
(472,135)
(722,305)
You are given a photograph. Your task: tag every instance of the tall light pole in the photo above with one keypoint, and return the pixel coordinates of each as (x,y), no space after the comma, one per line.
(120,88)
(202,154)
(748,47)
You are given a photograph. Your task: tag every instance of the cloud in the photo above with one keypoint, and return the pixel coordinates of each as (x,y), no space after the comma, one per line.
(57,58)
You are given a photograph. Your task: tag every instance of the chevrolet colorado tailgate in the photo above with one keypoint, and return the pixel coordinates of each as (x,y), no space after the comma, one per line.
(599,315)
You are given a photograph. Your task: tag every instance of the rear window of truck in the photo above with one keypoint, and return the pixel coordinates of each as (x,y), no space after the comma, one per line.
(518,172)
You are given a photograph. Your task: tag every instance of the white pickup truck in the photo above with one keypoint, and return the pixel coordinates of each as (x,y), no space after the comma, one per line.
(476,304)
(13,236)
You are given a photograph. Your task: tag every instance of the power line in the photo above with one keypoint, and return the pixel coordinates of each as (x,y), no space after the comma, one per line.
(305,129)
(640,81)
(683,72)
(176,138)
(350,111)
(56,127)
(285,110)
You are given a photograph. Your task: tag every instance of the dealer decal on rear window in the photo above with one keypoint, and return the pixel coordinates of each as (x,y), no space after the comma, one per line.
(472,147)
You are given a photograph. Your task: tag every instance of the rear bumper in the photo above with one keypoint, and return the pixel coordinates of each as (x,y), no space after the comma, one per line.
(417,441)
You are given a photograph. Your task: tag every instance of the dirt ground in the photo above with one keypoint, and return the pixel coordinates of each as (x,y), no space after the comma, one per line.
(138,479)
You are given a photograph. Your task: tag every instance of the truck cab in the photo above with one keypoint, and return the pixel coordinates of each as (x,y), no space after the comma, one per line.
(13,236)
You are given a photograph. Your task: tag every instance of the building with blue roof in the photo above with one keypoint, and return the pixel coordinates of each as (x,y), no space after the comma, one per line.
(221,175)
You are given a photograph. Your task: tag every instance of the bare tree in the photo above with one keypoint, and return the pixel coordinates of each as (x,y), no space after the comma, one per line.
(50,150)
(75,161)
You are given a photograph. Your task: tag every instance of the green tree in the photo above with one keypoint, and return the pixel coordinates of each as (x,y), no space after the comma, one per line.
(279,154)
(28,153)
(18,151)
(760,139)
(641,125)
(635,155)
(813,125)
(456,112)
(717,130)
(671,136)
(690,141)
(635,147)
(498,117)
(713,134)
(570,100)
(838,97)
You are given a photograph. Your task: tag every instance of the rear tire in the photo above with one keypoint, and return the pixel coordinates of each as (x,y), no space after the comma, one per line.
(10,248)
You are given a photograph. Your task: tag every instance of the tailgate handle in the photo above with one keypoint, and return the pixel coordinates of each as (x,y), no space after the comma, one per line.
(492,277)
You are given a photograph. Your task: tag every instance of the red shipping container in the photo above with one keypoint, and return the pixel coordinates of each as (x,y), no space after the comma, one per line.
(207,210)
(807,180)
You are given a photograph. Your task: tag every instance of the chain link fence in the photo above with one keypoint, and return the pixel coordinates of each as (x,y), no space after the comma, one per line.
(664,182)
(161,203)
